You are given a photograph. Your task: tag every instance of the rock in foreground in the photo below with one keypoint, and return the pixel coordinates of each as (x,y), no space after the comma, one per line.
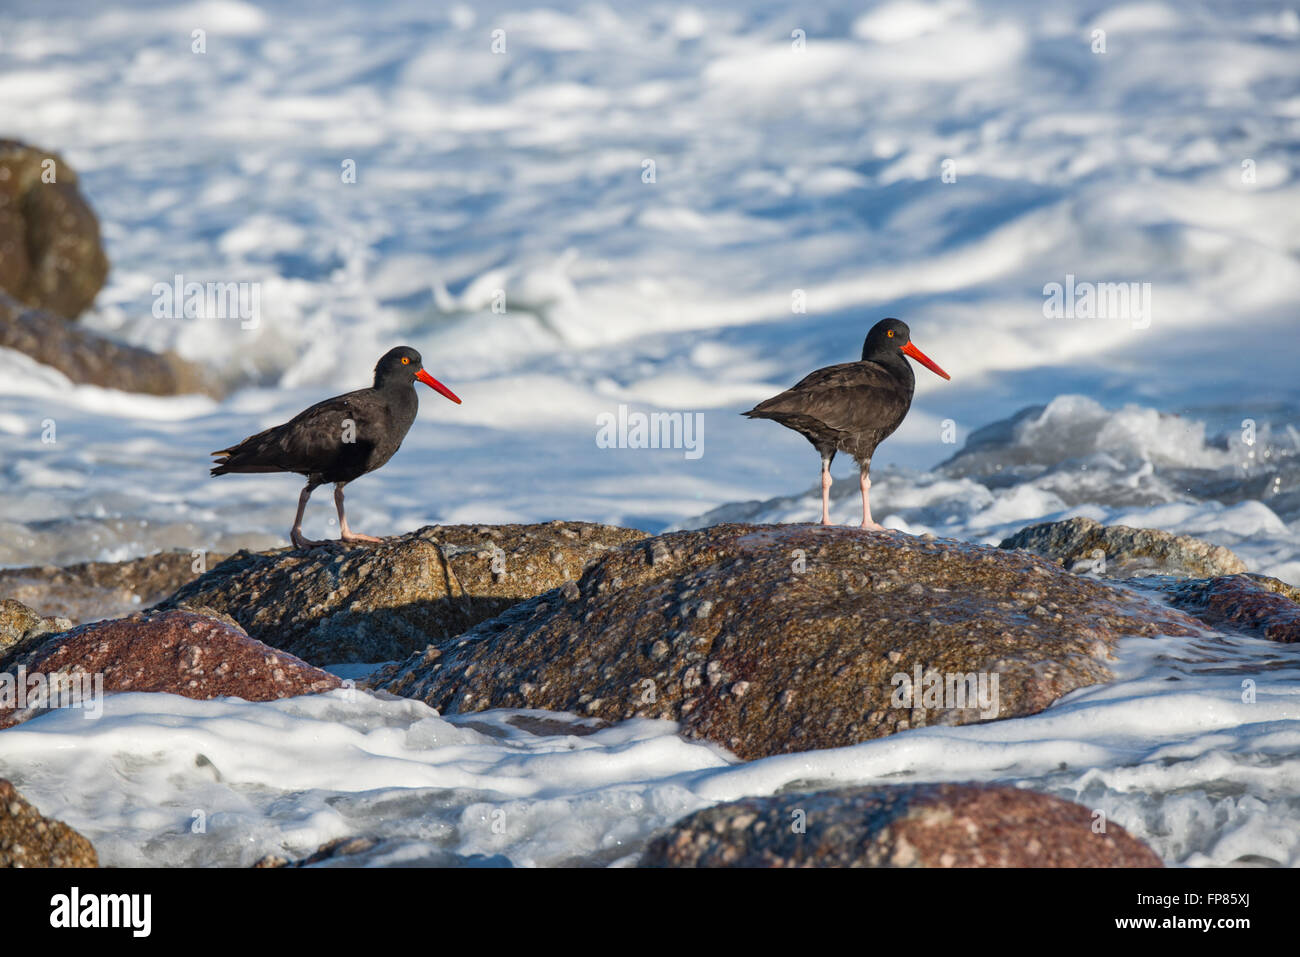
(29,840)
(369,603)
(929,825)
(1117,551)
(179,652)
(773,639)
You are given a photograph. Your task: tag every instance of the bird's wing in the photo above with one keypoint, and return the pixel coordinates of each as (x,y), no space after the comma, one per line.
(850,397)
(311,440)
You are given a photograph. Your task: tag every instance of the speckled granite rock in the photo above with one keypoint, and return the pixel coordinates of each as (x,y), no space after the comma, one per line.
(50,253)
(180,652)
(379,602)
(772,639)
(927,825)
(29,840)
(20,626)
(1117,551)
(1251,603)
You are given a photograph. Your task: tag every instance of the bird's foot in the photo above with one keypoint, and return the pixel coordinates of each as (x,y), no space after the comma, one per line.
(350,536)
(301,541)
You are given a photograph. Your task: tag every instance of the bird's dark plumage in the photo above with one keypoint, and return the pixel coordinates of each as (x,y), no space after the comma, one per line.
(339,439)
(854,406)
(850,408)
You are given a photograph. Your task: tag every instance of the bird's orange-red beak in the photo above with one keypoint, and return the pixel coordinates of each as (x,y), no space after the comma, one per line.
(921,357)
(437,386)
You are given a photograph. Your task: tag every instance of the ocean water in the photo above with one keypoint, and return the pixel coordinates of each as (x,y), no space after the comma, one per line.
(814,169)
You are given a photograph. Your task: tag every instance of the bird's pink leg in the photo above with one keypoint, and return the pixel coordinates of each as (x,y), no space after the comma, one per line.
(345,533)
(295,534)
(826,492)
(866,504)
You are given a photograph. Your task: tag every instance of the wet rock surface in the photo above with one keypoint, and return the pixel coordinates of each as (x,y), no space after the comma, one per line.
(928,825)
(179,652)
(773,639)
(50,251)
(367,851)
(27,839)
(88,358)
(341,848)
(1254,604)
(370,603)
(1117,551)
(20,626)
(89,591)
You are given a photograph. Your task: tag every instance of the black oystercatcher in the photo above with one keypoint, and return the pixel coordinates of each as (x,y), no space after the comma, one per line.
(341,438)
(854,406)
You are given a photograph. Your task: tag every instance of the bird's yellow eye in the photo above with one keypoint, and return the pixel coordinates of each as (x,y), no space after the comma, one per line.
(407,362)
(889,333)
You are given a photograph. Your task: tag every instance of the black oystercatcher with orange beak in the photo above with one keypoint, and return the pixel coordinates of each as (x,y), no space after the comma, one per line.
(341,438)
(853,407)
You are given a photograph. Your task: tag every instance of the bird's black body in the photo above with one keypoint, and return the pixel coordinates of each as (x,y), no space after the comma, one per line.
(854,406)
(339,439)
(849,408)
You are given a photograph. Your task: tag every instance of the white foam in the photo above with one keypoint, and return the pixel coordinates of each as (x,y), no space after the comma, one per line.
(286,776)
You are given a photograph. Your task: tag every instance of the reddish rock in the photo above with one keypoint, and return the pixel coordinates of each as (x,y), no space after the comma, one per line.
(927,825)
(1252,603)
(29,840)
(179,652)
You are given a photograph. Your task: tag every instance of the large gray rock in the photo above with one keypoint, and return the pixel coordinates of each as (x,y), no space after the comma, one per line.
(369,603)
(917,825)
(772,639)
(1117,551)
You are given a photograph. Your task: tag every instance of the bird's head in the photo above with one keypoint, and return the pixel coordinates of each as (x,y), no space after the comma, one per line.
(890,337)
(403,366)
